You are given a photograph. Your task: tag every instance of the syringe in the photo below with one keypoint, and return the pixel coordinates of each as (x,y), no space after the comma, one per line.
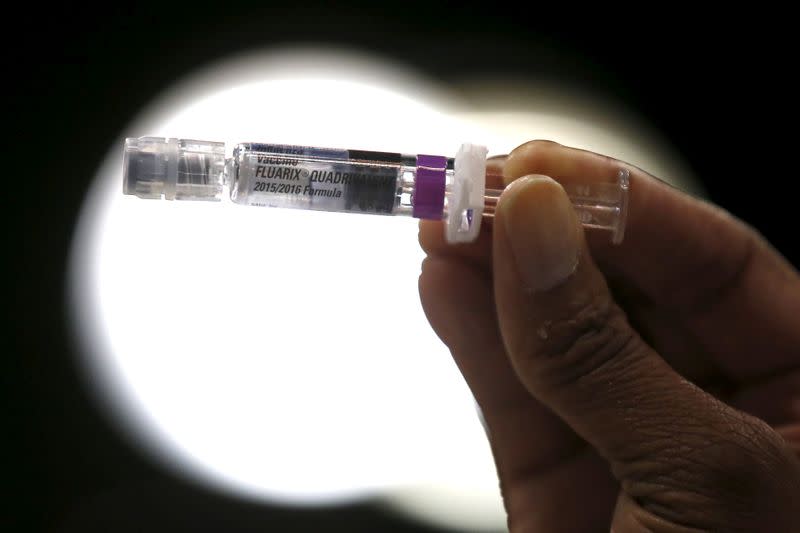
(351,181)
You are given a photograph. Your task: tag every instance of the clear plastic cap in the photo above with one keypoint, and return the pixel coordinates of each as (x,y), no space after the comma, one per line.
(602,205)
(177,169)
(599,204)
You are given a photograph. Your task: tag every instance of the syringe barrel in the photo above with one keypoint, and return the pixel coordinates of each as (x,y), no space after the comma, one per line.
(352,181)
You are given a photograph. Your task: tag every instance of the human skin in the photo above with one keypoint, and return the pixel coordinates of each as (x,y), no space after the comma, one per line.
(648,386)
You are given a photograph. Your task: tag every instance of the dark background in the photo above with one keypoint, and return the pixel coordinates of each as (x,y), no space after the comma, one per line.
(717,87)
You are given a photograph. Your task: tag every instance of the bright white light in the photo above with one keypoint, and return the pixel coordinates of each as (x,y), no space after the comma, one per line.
(284,354)
(281,353)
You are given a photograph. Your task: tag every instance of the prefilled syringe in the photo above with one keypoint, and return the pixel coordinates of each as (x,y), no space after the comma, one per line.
(352,181)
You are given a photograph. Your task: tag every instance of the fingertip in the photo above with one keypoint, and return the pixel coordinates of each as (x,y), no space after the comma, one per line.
(478,253)
(431,235)
(527,157)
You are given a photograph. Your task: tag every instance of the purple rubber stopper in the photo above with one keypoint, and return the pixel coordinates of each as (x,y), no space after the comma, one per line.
(428,199)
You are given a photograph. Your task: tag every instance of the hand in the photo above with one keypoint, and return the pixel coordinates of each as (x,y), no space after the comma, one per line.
(650,386)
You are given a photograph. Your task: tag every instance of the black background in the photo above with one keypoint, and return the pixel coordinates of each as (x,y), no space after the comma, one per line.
(717,87)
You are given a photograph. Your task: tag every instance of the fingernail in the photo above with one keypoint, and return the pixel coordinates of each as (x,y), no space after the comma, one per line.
(542,230)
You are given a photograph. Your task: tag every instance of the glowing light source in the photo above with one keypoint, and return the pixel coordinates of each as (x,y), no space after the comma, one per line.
(284,354)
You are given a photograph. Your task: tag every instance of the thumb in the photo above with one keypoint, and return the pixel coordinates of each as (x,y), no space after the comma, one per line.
(680,454)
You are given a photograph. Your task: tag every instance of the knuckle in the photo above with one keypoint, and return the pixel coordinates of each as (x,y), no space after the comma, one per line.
(764,479)
(591,340)
(756,462)
(729,472)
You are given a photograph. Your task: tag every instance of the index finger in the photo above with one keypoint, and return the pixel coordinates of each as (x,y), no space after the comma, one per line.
(730,288)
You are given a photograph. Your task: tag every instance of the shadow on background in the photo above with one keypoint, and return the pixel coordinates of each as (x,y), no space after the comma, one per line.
(78,76)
